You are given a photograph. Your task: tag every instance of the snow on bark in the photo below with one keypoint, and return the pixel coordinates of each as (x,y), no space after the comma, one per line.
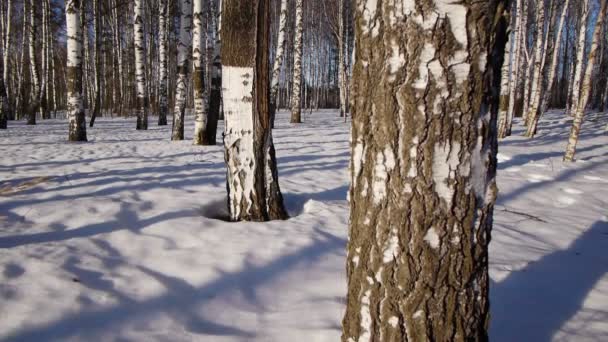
(296,105)
(183,48)
(76,120)
(140,69)
(586,85)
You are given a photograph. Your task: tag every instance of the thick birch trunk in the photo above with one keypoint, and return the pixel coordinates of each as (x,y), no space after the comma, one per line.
(200,88)
(183,48)
(423,169)
(163,104)
(580,59)
(77,127)
(140,69)
(278,61)
(252,180)
(586,85)
(296,105)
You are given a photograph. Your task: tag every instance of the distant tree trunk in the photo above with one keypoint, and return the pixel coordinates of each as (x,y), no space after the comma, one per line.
(163,104)
(252,179)
(7,52)
(586,85)
(580,58)
(76,120)
(505,85)
(97,61)
(140,69)
(34,74)
(183,47)
(296,105)
(423,170)
(278,61)
(200,89)
(3,100)
(341,58)
(213,81)
(504,128)
(539,61)
(216,111)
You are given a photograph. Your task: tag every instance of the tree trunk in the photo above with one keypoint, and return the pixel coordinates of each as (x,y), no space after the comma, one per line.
(213,81)
(3,99)
(539,61)
(580,58)
(278,61)
(34,74)
(7,52)
(77,127)
(97,61)
(341,56)
(140,69)
(296,105)
(179,110)
(505,85)
(163,104)
(252,180)
(22,67)
(423,169)
(504,129)
(586,85)
(200,89)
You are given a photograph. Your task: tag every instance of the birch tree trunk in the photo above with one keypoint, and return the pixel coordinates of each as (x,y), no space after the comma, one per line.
(296,105)
(580,58)
(77,128)
(200,89)
(97,61)
(183,47)
(215,99)
(252,179)
(539,57)
(19,107)
(7,52)
(278,61)
(586,85)
(505,90)
(213,81)
(34,74)
(140,69)
(341,57)
(423,169)
(504,127)
(163,104)
(3,98)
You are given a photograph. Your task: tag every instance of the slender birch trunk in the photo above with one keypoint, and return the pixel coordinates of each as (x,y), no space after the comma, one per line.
(7,52)
(252,179)
(96,61)
(200,89)
(163,103)
(215,97)
(586,85)
(341,58)
(19,106)
(183,47)
(423,170)
(140,70)
(539,56)
(545,90)
(3,98)
(77,127)
(278,61)
(505,90)
(580,58)
(504,127)
(119,58)
(34,73)
(296,105)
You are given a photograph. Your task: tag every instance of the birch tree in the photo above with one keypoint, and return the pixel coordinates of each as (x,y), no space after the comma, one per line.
(7,52)
(77,129)
(580,58)
(423,169)
(278,61)
(341,58)
(162,56)
(34,74)
(97,61)
(140,69)
(252,179)
(539,61)
(215,97)
(296,105)
(586,85)
(183,47)
(3,99)
(200,89)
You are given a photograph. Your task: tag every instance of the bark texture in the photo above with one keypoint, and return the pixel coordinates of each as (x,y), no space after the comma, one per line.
(140,69)
(77,127)
(200,89)
(252,179)
(580,58)
(34,71)
(163,104)
(278,61)
(296,105)
(183,48)
(423,169)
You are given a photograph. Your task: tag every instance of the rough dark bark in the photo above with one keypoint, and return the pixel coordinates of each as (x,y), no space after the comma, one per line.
(423,168)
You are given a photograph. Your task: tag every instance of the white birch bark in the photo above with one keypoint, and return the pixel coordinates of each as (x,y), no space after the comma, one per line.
(3,98)
(278,60)
(162,56)
(505,90)
(586,85)
(183,48)
(504,128)
(296,105)
(75,109)
(140,69)
(7,48)
(580,58)
(34,73)
(200,89)
(539,54)
(341,58)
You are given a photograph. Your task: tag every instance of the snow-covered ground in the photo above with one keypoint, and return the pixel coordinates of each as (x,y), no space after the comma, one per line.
(114,240)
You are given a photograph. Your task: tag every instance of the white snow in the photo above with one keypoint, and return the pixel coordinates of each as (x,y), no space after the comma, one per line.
(111,239)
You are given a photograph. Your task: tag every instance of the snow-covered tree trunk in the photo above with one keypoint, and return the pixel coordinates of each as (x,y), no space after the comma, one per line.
(423,169)
(163,103)
(77,128)
(296,105)
(183,48)
(586,85)
(580,59)
(140,68)
(34,73)
(278,61)
(545,90)
(200,88)
(252,180)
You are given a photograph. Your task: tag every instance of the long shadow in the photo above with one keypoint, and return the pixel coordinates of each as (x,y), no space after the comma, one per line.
(535,302)
(181,301)
(521,159)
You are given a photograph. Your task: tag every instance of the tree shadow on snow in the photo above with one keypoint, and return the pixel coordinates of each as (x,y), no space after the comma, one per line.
(534,303)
